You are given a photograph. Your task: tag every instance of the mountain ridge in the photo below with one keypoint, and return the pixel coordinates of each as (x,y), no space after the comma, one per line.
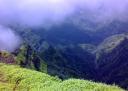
(92,64)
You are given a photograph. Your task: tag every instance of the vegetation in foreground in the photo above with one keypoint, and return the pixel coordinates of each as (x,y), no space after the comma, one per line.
(14,78)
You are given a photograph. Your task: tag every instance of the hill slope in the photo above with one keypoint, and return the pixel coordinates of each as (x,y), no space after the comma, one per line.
(112,60)
(14,78)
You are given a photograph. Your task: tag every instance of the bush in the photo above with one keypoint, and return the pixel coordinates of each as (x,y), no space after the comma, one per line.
(14,78)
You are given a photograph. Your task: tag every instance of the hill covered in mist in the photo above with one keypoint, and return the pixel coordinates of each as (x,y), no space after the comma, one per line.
(69,39)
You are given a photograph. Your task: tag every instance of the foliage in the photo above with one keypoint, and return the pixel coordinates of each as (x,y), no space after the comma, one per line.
(28,58)
(14,78)
(21,57)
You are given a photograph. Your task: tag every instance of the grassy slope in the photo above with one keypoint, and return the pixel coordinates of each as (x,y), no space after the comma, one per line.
(14,78)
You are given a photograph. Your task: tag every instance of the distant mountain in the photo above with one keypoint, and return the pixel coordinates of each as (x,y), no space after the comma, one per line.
(74,30)
(112,60)
(69,61)
(79,48)
(76,48)
(105,63)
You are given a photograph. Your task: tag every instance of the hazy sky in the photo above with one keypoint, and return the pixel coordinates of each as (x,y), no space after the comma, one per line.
(45,12)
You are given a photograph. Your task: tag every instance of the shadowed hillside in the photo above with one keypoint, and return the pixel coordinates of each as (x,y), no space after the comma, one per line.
(112,61)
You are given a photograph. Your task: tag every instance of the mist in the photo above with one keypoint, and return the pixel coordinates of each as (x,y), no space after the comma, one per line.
(47,13)
(9,41)
(51,12)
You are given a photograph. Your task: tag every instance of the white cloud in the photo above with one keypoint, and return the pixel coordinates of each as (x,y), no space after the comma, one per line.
(39,12)
(9,41)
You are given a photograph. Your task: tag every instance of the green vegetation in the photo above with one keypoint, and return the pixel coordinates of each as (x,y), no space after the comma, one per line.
(14,78)
(27,57)
(4,54)
(21,55)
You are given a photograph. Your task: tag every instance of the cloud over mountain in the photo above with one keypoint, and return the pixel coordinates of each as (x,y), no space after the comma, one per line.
(9,41)
(39,12)
(51,12)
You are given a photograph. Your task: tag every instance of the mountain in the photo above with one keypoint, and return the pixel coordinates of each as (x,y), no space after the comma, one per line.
(80,49)
(77,47)
(69,61)
(112,61)
(75,30)
(107,63)
(104,63)
(14,78)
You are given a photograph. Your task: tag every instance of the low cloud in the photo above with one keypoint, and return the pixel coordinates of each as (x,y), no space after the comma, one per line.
(44,12)
(51,12)
(9,41)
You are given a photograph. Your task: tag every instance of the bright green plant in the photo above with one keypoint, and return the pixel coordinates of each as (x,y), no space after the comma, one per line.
(14,78)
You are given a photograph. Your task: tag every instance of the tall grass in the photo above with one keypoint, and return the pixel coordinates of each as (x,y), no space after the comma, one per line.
(14,78)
